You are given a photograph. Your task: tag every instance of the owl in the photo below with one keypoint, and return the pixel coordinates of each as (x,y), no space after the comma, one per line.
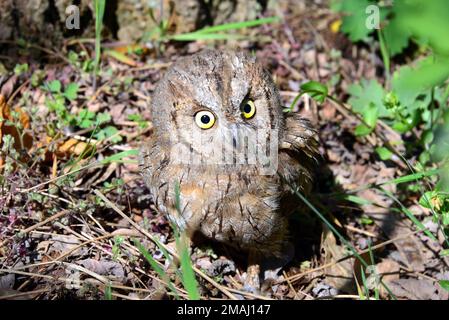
(223,156)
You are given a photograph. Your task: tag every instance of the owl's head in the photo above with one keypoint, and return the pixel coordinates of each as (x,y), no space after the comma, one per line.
(217,104)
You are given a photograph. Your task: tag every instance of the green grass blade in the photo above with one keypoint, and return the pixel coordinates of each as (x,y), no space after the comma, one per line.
(187,275)
(195,36)
(99,14)
(119,156)
(371,257)
(108,292)
(220,32)
(412,177)
(364,295)
(162,274)
(408,178)
(356,199)
(238,25)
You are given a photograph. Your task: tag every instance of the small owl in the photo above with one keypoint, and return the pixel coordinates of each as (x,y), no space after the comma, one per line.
(223,155)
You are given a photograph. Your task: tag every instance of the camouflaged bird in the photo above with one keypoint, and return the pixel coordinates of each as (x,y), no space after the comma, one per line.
(207,111)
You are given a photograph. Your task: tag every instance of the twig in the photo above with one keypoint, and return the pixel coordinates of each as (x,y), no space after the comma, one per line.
(92,165)
(37,225)
(21,294)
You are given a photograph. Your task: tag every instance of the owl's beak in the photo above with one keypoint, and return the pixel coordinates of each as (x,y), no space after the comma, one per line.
(237,142)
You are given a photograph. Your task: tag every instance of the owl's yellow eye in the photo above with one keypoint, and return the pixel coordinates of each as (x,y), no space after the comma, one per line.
(204,119)
(248,109)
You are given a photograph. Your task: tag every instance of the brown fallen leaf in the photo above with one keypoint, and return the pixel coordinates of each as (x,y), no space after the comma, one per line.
(24,141)
(412,252)
(59,244)
(74,146)
(340,275)
(105,267)
(388,271)
(64,148)
(414,289)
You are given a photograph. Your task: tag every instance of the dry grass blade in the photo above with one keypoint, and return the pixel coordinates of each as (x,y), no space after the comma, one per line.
(23,294)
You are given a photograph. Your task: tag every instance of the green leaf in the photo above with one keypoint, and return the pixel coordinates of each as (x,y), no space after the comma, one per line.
(85,118)
(109,132)
(188,276)
(315,87)
(370,115)
(409,82)
(20,68)
(427,137)
(362,130)
(427,21)
(365,93)
(444,284)
(444,253)
(54,86)
(384,153)
(445,220)
(404,125)
(395,37)
(316,90)
(354,21)
(426,198)
(366,220)
(103,117)
(71,91)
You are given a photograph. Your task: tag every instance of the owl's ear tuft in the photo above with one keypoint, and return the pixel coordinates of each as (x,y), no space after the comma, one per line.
(177,89)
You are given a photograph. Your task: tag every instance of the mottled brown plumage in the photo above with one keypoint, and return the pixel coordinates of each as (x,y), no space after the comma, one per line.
(236,204)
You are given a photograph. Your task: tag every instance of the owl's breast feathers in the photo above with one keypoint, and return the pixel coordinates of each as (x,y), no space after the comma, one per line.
(240,207)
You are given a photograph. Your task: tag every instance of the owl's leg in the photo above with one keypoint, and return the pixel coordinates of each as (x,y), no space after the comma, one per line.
(252,280)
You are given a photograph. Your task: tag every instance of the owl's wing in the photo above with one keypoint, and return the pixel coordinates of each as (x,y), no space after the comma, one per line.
(152,159)
(298,152)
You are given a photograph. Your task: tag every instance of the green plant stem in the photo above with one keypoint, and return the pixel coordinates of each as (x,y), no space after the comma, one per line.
(99,13)
(385,57)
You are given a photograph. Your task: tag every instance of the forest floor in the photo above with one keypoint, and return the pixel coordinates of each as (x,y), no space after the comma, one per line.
(72,200)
